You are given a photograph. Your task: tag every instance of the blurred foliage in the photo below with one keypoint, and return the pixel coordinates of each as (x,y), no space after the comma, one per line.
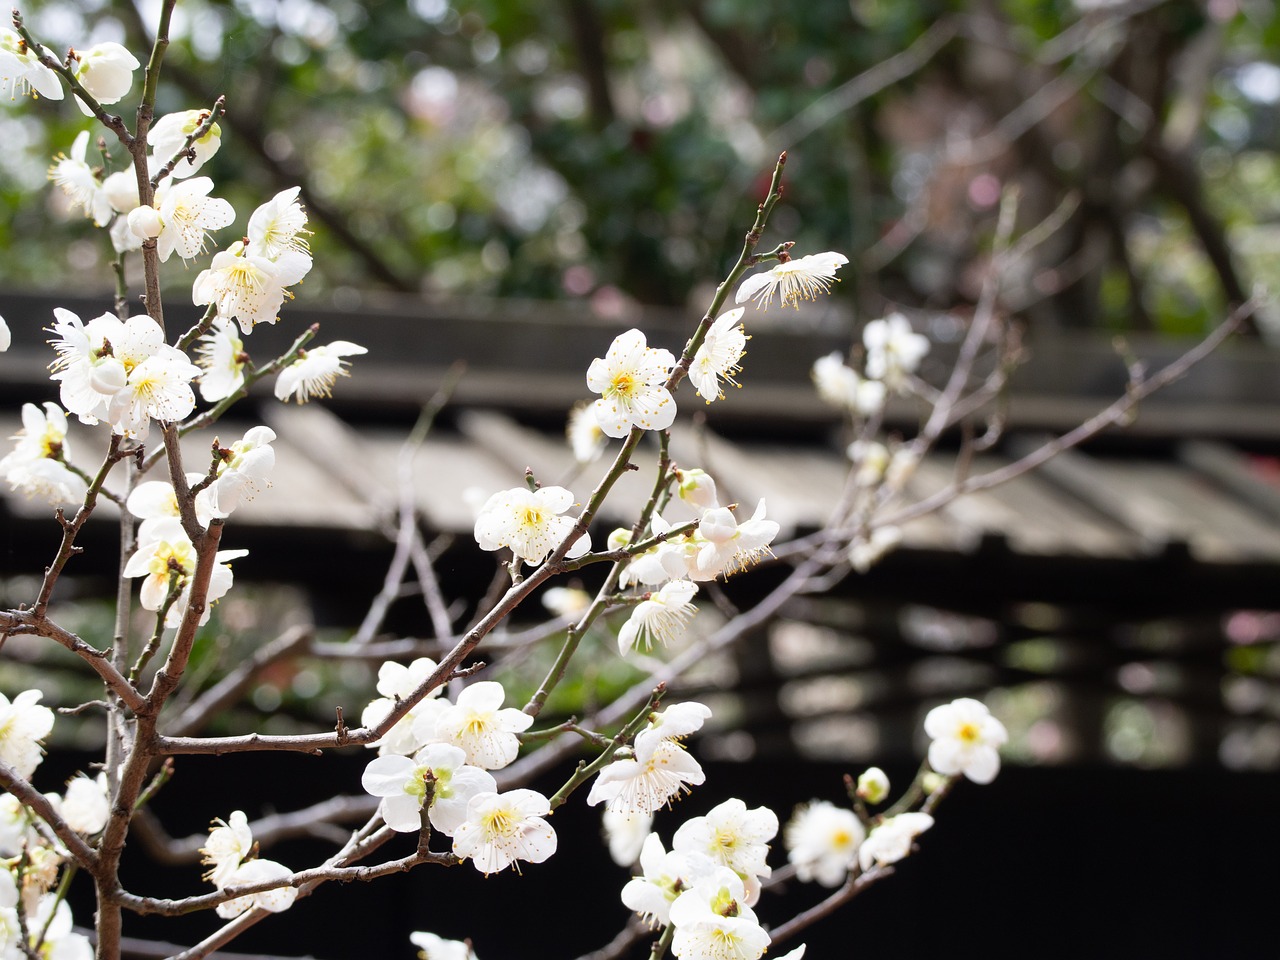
(610,151)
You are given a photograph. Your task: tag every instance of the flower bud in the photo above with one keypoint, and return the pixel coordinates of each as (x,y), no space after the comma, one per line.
(107,376)
(619,538)
(932,782)
(698,488)
(106,70)
(145,222)
(873,785)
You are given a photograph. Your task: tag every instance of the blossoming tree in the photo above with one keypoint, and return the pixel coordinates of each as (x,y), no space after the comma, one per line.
(454,754)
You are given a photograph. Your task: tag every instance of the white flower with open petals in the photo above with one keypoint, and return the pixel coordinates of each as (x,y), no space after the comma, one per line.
(401,783)
(161,560)
(965,739)
(664,875)
(529,523)
(731,835)
(586,439)
(156,505)
(22,72)
(274,900)
(894,350)
(36,465)
(479,724)
(85,806)
(230,841)
(631,380)
(244,469)
(169,134)
(660,618)
(220,354)
(315,371)
(713,921)
(822,842)
(105,70)
(76,177)
(279,226)
(892,839)
(23,724)
(187,213)
(397,682)
(661,770)
(625,834)
(793,280)
(502,828)
(729,546)
(719,356)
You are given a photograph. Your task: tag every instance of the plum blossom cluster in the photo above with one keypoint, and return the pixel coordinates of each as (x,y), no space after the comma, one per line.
(231,857)
(659,770)
(30,859)
(706,885)
(433,768)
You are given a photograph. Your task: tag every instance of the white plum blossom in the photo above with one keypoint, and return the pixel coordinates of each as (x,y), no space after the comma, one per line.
(793,280)
(275,900)
(396,682)
(586,439)
(23,724)
(120,371)
(230,842)
(121,190)
(965,739)
(625,834)
(631,380)
(891,840)
(822,842)
(432,947)
(168,136)
(840,386)
(187,213)
(60,940)
(663,875)
(719,356)
(672,559)
(242,286)
(21,70)
(732,836)
(660,618)
(155,503)
(401,783)
(159,560)
(893,350)
(220,354)
(502,828)
(105,70)
(315,371)
(528,522)
(713,920)
(278,227)
(730,546)
(661,770)
(84,805)
(245,466)
(79,182)
(479,724)
(37,463)
(144,222)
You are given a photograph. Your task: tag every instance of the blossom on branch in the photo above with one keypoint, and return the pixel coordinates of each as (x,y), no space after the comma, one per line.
(79,182)
(315,371)
(244,468)
(965,739)
(105,70)
(822,842)
(713,920)
(793,280)
(168,135)
(37,463)
(528,522)
(479,724)
(23,724)
(275,900)
(892,839)
(396,682)
(401,783)
(502,828)
(172,563)
(631,380)
(220,354)
(719,356)
(186,214)
(661,770)
(660,618)
(22,72)
(894,350)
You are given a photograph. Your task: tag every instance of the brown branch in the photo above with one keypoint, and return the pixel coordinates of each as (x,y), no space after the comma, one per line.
(34,800)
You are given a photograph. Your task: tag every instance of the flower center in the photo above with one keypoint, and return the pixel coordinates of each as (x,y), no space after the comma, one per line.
(968,732)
